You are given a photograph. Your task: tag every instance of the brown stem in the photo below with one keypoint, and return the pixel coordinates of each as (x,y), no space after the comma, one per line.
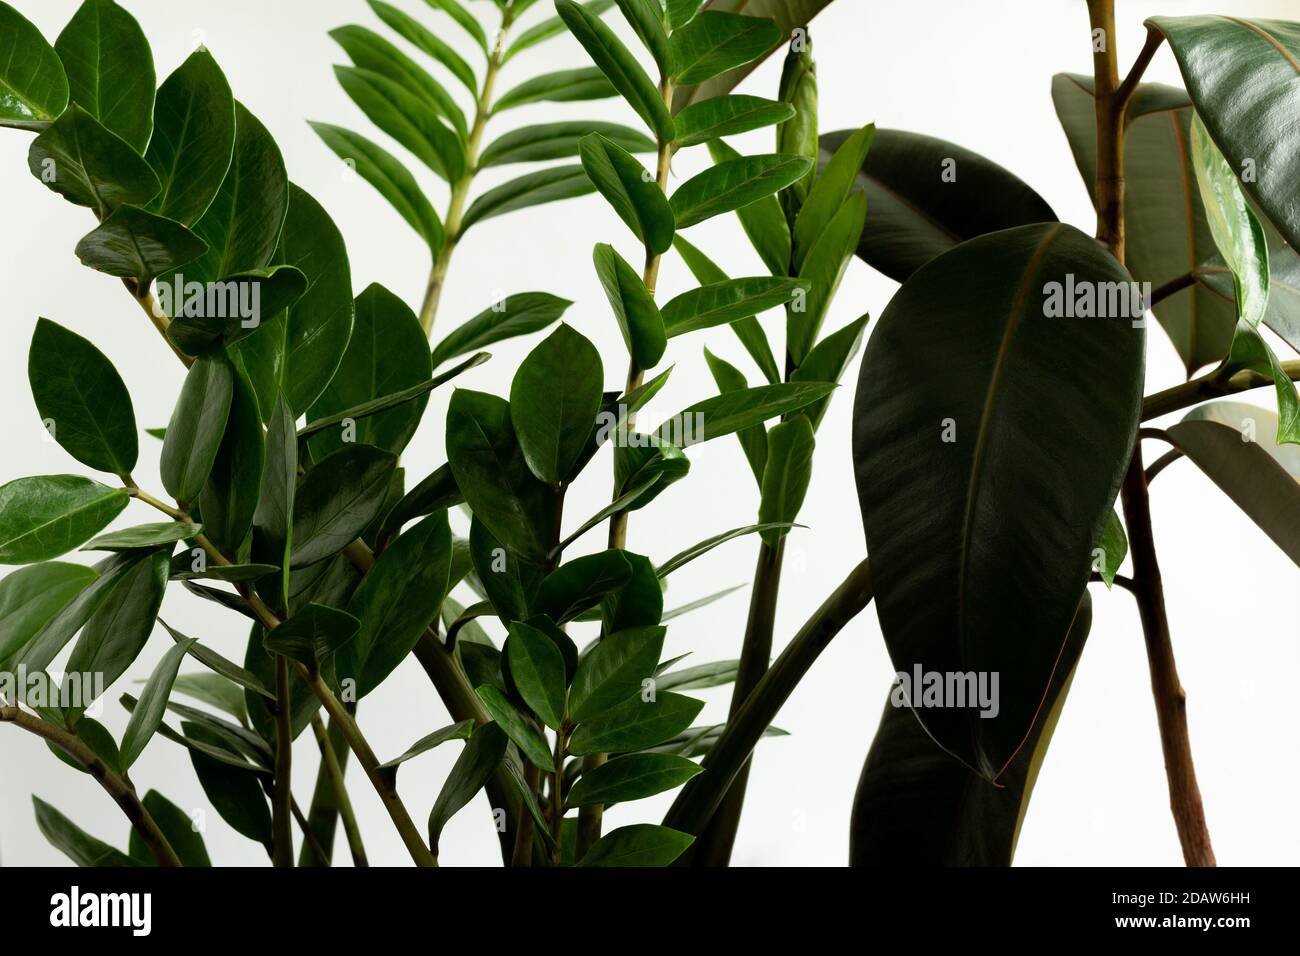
(115,785)
(282,793)
(1175,285)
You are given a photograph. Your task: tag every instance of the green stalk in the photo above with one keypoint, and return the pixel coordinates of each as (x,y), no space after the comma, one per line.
(282,792)
(333,753)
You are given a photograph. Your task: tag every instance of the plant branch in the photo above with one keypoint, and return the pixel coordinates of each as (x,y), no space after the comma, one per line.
(282,791)
(339,801)
(1164,291)
(1210,386)
(115,785)
(1130,84)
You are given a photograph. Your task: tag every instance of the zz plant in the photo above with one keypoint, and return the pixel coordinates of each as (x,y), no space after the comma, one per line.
(988,493)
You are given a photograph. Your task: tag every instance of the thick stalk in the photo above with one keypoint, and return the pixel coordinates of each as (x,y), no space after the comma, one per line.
(699,800)
(713,848)
(282,794)
(523,851)
(557,794)
(1171,713)
(460,188)
(589,817)
(114,784)
(1210,386)
(330,801)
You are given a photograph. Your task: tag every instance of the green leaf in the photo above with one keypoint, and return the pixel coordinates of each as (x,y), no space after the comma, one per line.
(619,65)
(75,843)
(193,139)
(466,20)
(220,313)
(148,713)
(509,581)
(182,570)
(179,829)
(537,669)
(634,307)
(646,17)
(753,440)
(1111,550)
(1247,473)
(644,467)
(88,165)
(223,667)
(312,634)
(734,411)
(531,144)
(698,603)
(518,314)
(457,731)
(405,116)
(418,35)
(612,672)
(716,674)
(633,777)
(437,490)
(368,50)
(720,303)
(298,351)
(532,189)
(33,86)
(493,474)
(1250,351)
(763,221)
(680,12)
(789,470)
(1001,533)
(197,426)
(823,269)
(715,42)
(639,602)
(1241,75)
(548,28)
(581,583)
(750,333)
(235,794)
(101,743)
(1250,421)
(135,244)
(916,801)
(525,736)
(1237,233)
(273,517)
(30,597)
(563,86)
(734,184)
(554,399)
(338,500)
(46,516)
(476,763)
(828,361)
(396,601)
(144,536)
(630,189)
(641,844)
(827,197)
(109,69)
(705,546)
(728,116)
(636,724)
(229,499)
(623,502)
(81,399)
(798,133)
(386,354)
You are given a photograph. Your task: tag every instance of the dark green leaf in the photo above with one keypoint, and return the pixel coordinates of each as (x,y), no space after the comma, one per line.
(75,843)
(45,516)
(179,829)
(715,42)
(31,596)
(235,794)
(144,536)
(537,669)
(530,740)
(421,36)
(533,189)
(208,315)
(227,669)
(35,88)
(827,196)
(457,731)
(473,767)
(612,672)
(716,674)
(405,116)
(646,18)
(828,361)
(630,189)
(822,270)
(229,499)
(510,581)
(110,69)
(735,183)
(564,86)
(705,546)
(148,713)
(135,244)
(636,724)
(748,330)
(734,411)
(720,303)
(633,777)
(370,51)
(553,402)
(437,490)
(581,583)
(641,844)
(312,634)
(197,426)
(89,165)
(728,116)
(634,307)
(338,500)
(518,314)
(789,470)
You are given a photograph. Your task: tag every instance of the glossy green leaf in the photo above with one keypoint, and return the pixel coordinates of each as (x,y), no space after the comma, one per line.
(518,314)
(235,794)
(101,743)
(179,829)
(563,86)
(82,399)
(728,116)
(148,713)
(369,51)
(493,474)
(193,139)
(753,440)
(823,269)
(750,333)
(715,42)
(197,426)
(338,500)
(457,731)
(221,666)
(554,399)
(420,36)
(734,184)
(87,164)
(476,763)
(1111,550)
(110,69)
(436,490)
(720,303)
(828,361)
(312,634)
(75,843)
(619,66)
(1250,351)
(213,314)
(46,516)
(405,116)
(630,189)
(646,17)
(396,601)
(634,307)
(230,496)
(466,20)
(548,28)
(636,724)
(532,189)
(644,467)
(510,582)
(641,844)
(30,597)
(637,603)
(273,517)
(135,244)
(787,475)
(982,458)
(828,194)
(152,535)
(531,144)
(530,741)
(734,411)
(33,86)
(581,583)
(763,221)
(612,672)
(797,135)
(537,669)
(633,777)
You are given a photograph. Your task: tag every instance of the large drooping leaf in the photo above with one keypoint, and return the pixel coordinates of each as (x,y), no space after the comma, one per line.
(493,474)
(1243,77)
(1257,481)
(554,399)
(196,427)
(916,804)
(133,243)
(33,85)
(338,500)
(790,15)
(387,353)
(518,314)
(630,189)
(81,399)
(193,138)
(559,141)
(980,544)
(230,496)
(46,516)
(89,165)
(110,69)
(715,42)
(31,596)
(298,351)
(370,51)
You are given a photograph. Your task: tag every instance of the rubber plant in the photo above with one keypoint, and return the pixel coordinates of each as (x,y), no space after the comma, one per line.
(988,488)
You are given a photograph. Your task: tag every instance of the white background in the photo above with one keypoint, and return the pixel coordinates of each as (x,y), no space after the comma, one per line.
(977,73)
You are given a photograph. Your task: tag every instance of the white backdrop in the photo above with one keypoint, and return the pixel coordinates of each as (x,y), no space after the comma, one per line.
(976,73)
